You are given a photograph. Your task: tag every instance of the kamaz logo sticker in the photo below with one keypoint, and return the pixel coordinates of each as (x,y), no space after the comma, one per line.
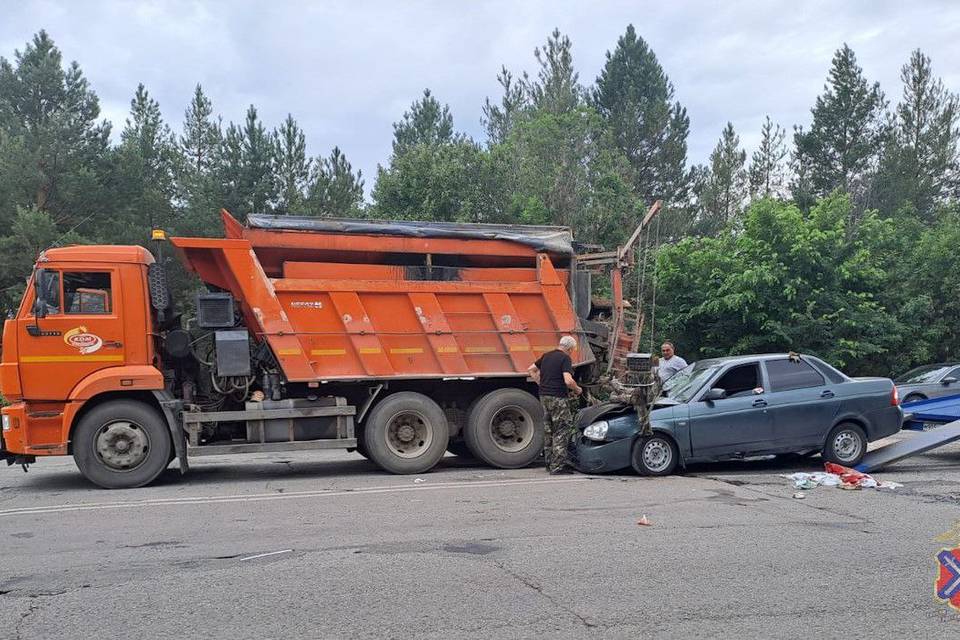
(83,341)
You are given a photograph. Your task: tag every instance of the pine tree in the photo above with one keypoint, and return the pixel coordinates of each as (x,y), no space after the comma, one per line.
(920,162)
(335,190)
(427,122)
(725,187)
(801,167)
(500,120)
(52,142)
(635,99)
(767,171)
(199,158)
(556,88)
(291,165)
(246,167)
(146,169)
(845,138)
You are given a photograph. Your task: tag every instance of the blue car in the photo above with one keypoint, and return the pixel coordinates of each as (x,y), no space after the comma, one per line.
(730,408)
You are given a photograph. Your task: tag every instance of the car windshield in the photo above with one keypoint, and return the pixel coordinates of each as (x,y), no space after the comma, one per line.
(927,373)
(684,384)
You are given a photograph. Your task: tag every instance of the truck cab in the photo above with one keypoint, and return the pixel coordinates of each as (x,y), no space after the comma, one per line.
(84,329)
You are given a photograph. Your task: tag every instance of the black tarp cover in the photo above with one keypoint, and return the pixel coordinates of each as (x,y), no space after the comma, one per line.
(553,240)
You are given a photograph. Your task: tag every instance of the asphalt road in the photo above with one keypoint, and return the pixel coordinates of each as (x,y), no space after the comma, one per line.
(325,546)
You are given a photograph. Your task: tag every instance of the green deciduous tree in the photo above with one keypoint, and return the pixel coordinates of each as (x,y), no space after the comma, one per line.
(785,281)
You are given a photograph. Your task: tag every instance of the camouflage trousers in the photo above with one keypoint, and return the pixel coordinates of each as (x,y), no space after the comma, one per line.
(557,432)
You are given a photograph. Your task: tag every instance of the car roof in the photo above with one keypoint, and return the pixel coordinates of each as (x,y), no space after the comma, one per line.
(746,358)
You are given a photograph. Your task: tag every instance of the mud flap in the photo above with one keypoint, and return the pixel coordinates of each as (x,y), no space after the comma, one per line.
(172,410)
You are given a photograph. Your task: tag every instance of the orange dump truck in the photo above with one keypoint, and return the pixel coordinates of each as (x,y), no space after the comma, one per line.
(401,340)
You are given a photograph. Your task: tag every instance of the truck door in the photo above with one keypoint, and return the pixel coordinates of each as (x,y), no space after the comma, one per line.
(79,332)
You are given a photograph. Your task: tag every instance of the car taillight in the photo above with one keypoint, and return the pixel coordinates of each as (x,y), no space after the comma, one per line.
(895,398)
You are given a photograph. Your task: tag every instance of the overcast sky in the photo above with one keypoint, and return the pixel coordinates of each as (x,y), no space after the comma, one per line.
(348,70)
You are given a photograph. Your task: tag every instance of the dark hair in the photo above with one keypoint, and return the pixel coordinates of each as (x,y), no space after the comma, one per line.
(669,343)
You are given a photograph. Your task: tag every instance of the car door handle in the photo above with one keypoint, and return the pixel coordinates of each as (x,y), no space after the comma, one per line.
(827,394)
(759,403)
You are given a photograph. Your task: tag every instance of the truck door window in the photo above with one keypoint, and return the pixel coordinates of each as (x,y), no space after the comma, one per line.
(48,289)
(87,293)
(739,381)
(788,374)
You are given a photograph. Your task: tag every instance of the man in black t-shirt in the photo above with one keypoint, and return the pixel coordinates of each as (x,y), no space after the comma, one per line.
(553,372)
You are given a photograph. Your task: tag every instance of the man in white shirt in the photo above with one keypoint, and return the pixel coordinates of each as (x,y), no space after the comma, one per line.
(670,363)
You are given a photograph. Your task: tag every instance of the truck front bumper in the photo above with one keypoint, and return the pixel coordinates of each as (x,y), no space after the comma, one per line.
(12,445)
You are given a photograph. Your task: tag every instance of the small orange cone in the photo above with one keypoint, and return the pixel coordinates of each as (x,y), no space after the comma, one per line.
(644,522)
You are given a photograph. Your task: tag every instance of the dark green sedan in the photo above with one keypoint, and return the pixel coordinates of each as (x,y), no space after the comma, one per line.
(730,408)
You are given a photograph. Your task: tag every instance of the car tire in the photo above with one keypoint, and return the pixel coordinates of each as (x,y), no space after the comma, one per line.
(122,444)
(655,455)
(846,445)
(405,433)
(505,428)
(914,397)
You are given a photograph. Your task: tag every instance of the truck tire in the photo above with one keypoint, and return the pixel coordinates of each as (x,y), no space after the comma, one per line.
(406,432)
(121,444)
(505,428)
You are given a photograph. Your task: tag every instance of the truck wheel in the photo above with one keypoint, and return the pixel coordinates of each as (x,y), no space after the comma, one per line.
(656,455)
(505,428)
(121,444)
(846,445)
(406,433)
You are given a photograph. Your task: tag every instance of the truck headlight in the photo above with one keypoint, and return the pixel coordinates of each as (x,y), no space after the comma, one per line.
(597,430)
(6,422)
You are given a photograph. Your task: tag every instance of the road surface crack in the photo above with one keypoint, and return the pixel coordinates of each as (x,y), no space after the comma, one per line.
(23,618)
(539,589)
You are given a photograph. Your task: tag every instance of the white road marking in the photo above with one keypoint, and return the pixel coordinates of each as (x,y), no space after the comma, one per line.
(264,555)
(260,497)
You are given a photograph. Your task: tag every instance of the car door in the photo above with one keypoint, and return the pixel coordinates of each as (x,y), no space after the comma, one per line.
(737,424)
(804,405)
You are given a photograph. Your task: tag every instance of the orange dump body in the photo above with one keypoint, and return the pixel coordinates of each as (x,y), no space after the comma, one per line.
(354,306)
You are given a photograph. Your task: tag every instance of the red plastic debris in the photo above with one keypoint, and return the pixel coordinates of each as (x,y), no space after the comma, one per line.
(847,475)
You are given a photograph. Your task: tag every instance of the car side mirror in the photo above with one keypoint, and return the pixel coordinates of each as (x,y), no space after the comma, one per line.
(715,394)
(948,380)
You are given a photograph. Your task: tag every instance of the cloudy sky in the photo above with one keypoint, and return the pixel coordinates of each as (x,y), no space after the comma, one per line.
(348,70)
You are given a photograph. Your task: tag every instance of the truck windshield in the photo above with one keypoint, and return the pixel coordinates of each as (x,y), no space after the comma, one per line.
(685,383)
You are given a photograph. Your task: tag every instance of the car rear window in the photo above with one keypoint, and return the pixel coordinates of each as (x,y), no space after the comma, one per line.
(788,374)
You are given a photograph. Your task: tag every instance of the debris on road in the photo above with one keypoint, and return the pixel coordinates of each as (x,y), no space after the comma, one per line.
(644,521)
(837,476)
(418,481)
(799,495)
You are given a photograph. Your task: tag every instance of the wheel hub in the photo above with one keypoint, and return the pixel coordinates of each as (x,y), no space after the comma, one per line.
(409,434)
(656,455)
(512,429)
(846,445)
(122,445)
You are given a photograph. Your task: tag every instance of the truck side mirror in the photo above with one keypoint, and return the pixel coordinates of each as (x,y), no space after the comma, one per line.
(46,286)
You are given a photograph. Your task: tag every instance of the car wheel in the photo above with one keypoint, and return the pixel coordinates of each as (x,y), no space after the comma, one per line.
(656,455)
(914,397)
(846,444)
